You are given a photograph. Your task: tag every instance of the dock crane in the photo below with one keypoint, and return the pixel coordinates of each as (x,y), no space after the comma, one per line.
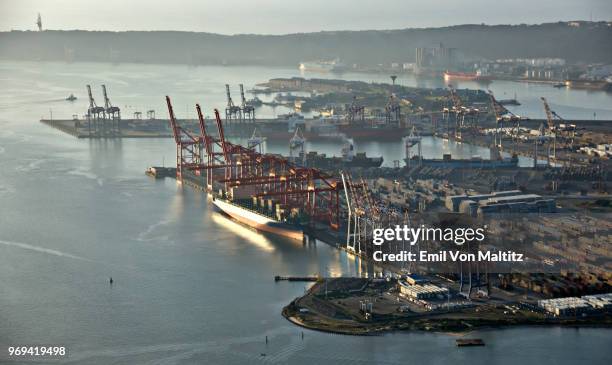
(551,132)
(495,107)
(256,142)
(392,111)
(248,110)
(356,112)
(39,23)
(95,115)
(457,110)
(93,107)
(232,111)
(112,111)
(188,146)
(565,129)
(411,140)
(296,147)
(502,114)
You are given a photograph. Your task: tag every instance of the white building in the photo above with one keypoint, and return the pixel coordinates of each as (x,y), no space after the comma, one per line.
(418,291)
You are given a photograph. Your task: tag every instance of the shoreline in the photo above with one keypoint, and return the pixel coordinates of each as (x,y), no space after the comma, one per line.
(303,312)
(301,324)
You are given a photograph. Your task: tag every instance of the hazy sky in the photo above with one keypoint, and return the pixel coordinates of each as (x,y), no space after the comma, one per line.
(289,16)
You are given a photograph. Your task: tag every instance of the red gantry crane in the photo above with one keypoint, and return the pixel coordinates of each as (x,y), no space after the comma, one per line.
(239,172)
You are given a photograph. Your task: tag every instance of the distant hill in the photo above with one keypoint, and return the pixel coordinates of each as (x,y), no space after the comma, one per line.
(575,41)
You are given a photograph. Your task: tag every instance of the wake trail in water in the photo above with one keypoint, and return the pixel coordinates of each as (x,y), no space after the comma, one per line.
(47,251)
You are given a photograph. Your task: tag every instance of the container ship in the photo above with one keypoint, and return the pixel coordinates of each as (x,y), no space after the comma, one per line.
(283,128)
(474,163)
(260,214)
(367,133)
(349,160)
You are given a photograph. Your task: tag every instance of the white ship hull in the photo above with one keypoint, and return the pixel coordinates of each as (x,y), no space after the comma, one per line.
(258,221)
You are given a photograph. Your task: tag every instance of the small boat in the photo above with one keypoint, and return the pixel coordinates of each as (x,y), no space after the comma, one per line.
(464,342)
(71,97)
(559,85)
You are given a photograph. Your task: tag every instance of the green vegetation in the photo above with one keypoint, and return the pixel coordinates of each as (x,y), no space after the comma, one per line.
(586,43)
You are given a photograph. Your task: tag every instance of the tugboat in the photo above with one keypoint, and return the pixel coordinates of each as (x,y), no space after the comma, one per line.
(71,97)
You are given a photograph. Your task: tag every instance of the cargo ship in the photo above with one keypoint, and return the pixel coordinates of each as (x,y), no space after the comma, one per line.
(475,162)
(589,84)
(349,160)
(323,66)
(469,76)
(240,211)
(335,128)
(367,133)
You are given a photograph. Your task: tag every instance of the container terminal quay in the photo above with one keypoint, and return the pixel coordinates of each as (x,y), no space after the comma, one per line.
(307,197)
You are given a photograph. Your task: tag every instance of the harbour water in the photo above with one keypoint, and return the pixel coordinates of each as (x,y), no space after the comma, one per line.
(189,286)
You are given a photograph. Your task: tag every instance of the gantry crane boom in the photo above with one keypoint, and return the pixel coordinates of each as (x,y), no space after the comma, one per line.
(173,123)
(92,102)
(244,103)
(230,102)
(549,114)
(107,103)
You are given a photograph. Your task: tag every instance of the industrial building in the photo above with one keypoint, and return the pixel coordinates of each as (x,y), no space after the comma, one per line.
(577,306)
(453,201)
(414,279)
(511,201)
(418,291)
(528,203)
(439,58)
